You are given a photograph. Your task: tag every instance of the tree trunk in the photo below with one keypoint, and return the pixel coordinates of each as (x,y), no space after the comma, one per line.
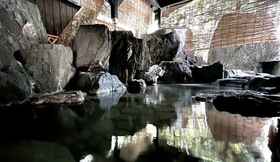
(88,11)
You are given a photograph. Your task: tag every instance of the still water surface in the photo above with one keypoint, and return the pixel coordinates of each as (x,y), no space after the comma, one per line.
(163,124)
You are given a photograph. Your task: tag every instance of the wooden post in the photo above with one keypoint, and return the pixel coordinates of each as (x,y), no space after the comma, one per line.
(88,11)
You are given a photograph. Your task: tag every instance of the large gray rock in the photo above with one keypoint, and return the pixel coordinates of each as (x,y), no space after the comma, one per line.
(50,66)
(15,83)
(20,28)
(162,45)
(99,83)
(92,44)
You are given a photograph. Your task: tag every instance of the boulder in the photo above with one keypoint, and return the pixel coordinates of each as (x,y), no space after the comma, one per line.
(264,84)
(50,66)
(248,103)
(99,83)
(136,86)
(269,67)
(176,72)
(238,46)
(162,45)
(207,74)
(128,59)
(21,27)
(152,75)
(15,84)
(92,44)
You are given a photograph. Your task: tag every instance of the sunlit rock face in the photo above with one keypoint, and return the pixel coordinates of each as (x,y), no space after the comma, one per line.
(92,44)
(243,46)
(50,66)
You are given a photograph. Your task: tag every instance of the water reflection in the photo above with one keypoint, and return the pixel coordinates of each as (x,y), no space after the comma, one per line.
(164,124)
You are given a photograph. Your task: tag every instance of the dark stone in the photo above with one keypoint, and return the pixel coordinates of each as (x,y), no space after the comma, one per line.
(136,86)
(265,84)
(162,45)
(92,44)
(175,72)
(127,56)
(207,74)
(99,83)
(50,66)
(248,103)
(152,75)
(233,82)
(15,84)
(269,67)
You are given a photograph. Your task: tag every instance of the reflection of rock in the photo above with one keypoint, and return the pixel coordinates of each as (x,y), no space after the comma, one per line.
(234,128)
(50,66)
(98,83)
(131,151)
(176,72)
(15,83)
(106,101)
(136,86)
(92,44)
(207,74)
(34,152)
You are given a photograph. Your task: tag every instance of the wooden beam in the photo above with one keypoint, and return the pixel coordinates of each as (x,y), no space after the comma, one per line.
(88,11)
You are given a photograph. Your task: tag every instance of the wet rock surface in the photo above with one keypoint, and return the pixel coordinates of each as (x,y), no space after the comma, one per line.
(99,82)
(50,66)
(15,83)
(92,44)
